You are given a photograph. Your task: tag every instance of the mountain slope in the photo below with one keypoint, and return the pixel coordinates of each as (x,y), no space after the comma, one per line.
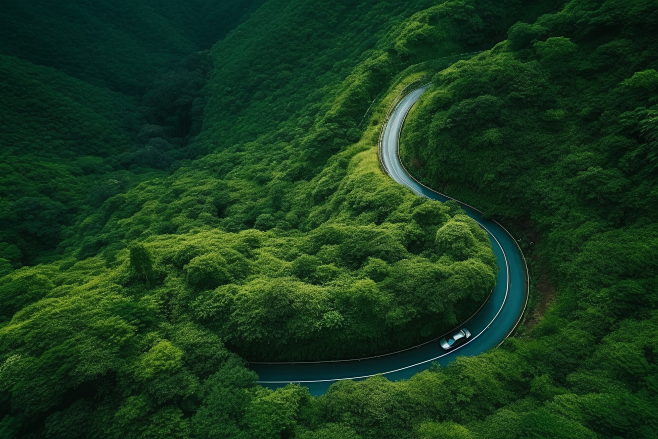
(59,136)
(121,44)
(284,239)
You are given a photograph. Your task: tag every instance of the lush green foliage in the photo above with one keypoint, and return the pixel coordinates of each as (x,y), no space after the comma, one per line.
(56,133)
(366,272)
(307,78)
(124,335)
(269,231)
(119,44)
(68,145)
(556,125)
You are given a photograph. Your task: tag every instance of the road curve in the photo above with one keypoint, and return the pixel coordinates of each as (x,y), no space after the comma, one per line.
(495,321)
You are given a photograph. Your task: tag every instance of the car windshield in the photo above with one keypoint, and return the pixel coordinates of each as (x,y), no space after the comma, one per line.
(451,341)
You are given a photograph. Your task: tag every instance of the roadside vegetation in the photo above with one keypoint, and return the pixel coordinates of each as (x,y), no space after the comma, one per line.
(229,206)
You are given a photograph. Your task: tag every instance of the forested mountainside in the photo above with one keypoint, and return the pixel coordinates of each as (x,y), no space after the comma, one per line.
(118,44)
(557,127)
(168,214)
(95,98)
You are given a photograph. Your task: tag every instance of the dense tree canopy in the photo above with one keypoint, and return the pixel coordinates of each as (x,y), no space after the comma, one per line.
(167,212)
(118,44)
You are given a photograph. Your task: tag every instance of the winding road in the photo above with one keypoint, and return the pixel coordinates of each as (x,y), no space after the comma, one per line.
(494,322)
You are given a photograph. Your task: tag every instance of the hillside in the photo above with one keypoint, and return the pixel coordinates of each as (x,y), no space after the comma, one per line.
(183,211)
(59,137)
(96,98)
(556,127)
(121,45)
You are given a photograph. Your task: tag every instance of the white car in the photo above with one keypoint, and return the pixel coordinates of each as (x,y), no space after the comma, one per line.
(457,339)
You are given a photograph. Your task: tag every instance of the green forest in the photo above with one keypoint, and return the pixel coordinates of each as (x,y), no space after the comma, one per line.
(187,186)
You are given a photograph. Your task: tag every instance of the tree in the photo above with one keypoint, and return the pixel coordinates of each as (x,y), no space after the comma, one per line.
(40,217)
(226,395)
(305,266)
(273,412)
(444,430)
(207,271)
(556,52)
(5,267)
(23,287)
(330,431)
(141,264)
(522,35)
(455,240)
